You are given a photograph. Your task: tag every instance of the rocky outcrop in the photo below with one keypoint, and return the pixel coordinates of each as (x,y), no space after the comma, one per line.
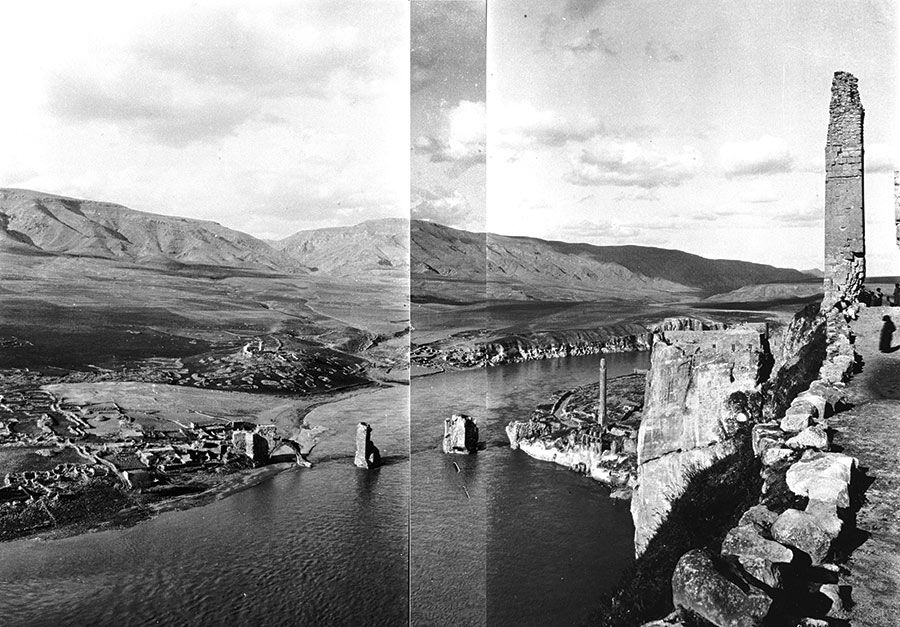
(460,435)
(686,323)
(473,353)
(367,454)
(700,587)
(522,430)
(688,423)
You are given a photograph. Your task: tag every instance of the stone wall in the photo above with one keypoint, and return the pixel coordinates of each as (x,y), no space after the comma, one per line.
(774,567)
(844,210)
(688,423)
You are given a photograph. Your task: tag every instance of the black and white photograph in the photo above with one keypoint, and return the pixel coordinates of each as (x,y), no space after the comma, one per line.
(450,312)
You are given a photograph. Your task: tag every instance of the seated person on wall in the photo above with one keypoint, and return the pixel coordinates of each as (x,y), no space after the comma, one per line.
(865,297)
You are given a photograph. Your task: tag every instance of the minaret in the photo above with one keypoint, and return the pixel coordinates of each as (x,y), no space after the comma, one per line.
(601,414)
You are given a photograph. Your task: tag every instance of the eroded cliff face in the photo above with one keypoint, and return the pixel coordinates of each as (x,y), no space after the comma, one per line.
(688,423)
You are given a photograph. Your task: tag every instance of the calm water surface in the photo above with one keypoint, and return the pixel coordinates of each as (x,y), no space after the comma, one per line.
(505,539)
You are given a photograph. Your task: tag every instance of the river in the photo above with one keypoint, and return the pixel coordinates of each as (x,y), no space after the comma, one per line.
(504,540)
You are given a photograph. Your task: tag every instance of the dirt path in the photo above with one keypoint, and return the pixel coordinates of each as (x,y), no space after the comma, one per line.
(870,431)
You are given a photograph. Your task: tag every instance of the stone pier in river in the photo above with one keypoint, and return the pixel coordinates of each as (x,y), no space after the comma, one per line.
(460,434)
(367,454)
(845,233)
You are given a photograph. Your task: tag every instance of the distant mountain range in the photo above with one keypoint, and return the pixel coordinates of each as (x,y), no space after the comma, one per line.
(375,245)
(452,264)
(446,264)
(38,223)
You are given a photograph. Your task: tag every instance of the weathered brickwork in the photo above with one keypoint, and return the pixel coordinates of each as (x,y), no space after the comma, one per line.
(897,203)
(845,245)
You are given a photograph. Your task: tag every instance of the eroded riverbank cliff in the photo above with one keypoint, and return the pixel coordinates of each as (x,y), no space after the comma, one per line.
(480,350)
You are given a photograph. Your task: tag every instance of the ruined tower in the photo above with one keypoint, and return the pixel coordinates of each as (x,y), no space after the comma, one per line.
(897,203)
(845,245)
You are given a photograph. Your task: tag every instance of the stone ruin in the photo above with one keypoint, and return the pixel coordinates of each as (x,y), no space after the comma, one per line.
(257,443)
(897,203)
(845,231)
(367,454)
(773,566)
(686,424)
(460,435)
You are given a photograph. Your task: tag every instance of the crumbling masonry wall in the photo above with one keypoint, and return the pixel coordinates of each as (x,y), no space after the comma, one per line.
(845,245)
(897,203)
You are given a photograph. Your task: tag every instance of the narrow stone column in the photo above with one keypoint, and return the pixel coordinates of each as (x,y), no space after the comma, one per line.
(897,203)
(367,454)
(845,235)
(601,412)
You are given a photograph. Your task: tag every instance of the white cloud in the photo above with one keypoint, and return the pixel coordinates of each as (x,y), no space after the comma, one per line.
(267,117)
(520,125)
(151,106)
(612,162)
(462,139)
(608,232)
(441,205)
(766,155)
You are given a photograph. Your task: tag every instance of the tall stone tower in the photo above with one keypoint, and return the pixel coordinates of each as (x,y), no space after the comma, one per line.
(845,231)
(897,203)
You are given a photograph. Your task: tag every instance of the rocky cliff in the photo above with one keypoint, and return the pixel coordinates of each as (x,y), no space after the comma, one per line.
(508,349)
(688,421)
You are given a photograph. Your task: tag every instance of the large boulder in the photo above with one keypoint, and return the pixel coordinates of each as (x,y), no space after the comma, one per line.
(756,554)
(822,405)
(825,515)
(801,531)
(810,437)
(822,477)
(797,419)
(776,455)
(760,516)
(460,434)
(699,586)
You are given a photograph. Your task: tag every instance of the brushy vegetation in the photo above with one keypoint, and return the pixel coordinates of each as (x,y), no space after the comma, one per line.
(714,500)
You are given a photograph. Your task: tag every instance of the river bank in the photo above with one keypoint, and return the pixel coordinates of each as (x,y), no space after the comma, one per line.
(89,456)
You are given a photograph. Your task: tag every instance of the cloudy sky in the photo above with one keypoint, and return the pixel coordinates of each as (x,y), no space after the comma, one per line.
(447,111)
(697,125)
(265,116)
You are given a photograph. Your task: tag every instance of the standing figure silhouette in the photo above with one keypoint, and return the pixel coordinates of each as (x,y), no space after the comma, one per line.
(887,335)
